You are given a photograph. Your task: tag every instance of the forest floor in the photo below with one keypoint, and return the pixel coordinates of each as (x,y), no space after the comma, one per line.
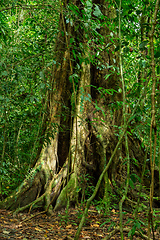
(62,226)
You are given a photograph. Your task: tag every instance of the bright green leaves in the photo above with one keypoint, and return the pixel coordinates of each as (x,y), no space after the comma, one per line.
(26,48)
(4,28)
(74,9)
(136,224)
(103,91)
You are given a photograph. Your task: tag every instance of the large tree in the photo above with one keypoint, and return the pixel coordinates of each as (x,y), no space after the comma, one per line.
(84,111)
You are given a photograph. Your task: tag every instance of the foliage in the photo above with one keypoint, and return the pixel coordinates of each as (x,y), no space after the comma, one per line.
(26,49)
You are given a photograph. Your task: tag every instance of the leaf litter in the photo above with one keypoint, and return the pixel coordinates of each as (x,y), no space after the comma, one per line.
(62,226)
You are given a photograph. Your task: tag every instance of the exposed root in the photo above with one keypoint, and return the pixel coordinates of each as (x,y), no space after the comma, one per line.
(48,197)
(29,205)
(28,219)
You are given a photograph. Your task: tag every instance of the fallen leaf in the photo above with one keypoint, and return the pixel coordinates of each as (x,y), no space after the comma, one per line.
(37,229)
(69,226)
(95,225)
(6,232)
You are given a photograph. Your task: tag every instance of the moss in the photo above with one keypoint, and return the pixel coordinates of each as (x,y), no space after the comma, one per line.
(68,191)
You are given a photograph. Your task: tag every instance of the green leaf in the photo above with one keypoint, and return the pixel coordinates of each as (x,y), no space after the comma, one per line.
(129,220)
(135,162)
(41,74)
(131,184)
(138,225)
(132,117)
(22,89)
(117,48)
(125,43)
(42,85)
(98,108)
(4,73)
(143,44)
(103,113)
(126,50)
(32,99)
(107,76)
(74,54)
(132,231)
(89,3)
(97,12)
(157,54)
(134,177)
(71,40)
(111,33)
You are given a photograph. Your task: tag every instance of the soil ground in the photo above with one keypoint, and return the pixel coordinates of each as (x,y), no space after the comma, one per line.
(62,226)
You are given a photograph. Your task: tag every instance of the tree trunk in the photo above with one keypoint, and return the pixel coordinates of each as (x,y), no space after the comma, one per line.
(85,118)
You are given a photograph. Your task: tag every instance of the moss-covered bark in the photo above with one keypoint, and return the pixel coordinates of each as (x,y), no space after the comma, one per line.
(68,193)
